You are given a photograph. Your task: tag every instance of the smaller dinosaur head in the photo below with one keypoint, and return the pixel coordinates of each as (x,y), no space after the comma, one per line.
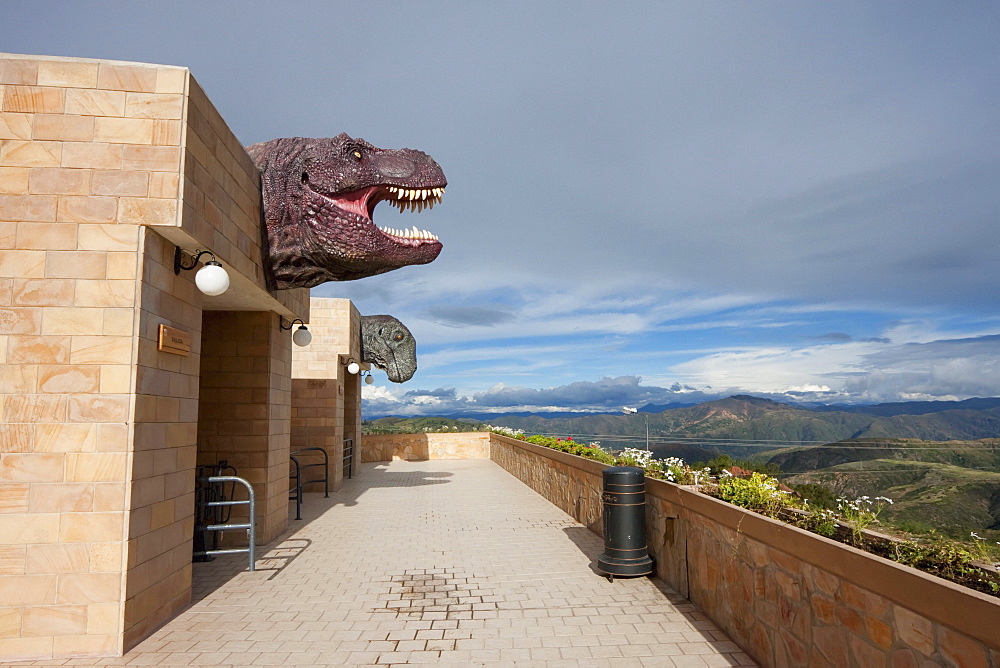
(388,344)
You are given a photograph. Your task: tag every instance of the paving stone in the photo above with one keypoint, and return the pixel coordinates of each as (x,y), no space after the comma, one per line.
(443,561)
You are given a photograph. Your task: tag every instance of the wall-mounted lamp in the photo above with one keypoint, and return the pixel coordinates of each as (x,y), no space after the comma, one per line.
(211,279)
(368,378)
(301,336)
(353,367)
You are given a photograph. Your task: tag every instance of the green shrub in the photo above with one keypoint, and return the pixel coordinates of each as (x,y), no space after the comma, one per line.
(759,493)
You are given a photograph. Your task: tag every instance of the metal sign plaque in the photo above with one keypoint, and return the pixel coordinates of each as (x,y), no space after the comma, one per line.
(175,341)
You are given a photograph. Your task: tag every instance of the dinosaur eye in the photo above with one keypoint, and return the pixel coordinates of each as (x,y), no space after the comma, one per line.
(356,153)
(305,177)
(398,337)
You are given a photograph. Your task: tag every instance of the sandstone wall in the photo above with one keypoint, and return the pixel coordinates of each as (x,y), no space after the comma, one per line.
(416,447)
(336,328)
(318,422)
(245,408)
(90,154)
(105,168)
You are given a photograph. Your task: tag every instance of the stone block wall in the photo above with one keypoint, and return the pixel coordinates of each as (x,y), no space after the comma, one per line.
(87,150)
(220,209)
(318,422)
(104,168)
(786,596)
(245,410)
(418,447)
(165,421)
(319,372)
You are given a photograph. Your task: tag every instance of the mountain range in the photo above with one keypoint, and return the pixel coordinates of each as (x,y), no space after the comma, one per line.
(748,418)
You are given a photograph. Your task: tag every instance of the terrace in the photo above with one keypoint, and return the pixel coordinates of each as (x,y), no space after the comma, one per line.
(435,561)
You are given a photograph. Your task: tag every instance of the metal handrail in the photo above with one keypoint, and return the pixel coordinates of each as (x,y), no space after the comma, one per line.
(249,526)
(348,462)
(296,491)
(300,484)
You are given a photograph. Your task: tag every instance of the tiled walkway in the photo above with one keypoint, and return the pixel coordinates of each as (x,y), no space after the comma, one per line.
(431,562)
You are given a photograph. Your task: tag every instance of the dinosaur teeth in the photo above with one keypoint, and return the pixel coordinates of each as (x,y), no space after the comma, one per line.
(412,233)
(412,194)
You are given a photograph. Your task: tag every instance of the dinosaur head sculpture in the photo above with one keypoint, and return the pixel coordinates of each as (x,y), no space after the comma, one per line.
(388,344)
(319,198)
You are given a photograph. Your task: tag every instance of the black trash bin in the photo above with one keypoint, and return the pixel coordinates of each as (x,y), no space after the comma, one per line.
(624,500)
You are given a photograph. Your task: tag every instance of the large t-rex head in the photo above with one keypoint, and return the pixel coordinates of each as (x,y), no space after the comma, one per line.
(388,344)
(319,195)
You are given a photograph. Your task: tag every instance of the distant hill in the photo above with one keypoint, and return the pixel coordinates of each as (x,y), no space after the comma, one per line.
(981,454)
(748,418)
(396,425)
(950,499)
(915,407)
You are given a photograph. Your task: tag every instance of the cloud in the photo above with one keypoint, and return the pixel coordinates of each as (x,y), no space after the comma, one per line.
(465,316)
(604,395)
(945,369)
(441,394)
(839,337)
(870,371)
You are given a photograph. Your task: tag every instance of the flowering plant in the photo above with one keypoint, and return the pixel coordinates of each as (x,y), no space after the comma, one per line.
(862,512)
(505,431)
(635,457)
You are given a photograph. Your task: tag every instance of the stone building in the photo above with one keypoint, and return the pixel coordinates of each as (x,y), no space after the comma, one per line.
(118,376)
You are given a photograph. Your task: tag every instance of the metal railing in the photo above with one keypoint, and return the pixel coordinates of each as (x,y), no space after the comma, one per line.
(211,507)
(299,483)
(349,457)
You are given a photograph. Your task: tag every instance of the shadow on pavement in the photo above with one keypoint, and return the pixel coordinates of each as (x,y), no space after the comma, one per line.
(272,558)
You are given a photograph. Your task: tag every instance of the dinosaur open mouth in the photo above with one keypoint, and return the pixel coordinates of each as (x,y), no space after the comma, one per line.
(362,203)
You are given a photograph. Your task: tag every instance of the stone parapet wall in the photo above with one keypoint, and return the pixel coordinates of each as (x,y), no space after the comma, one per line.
(417,447)
(572,483)
(788,597)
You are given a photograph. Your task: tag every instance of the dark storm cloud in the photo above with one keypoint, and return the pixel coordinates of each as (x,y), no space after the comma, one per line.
(605,394)
(836,337)
(439,393)
(959,368)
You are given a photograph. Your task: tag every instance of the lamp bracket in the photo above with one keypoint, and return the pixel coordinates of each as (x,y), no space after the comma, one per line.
(347,359)
(291,324)
(179,259)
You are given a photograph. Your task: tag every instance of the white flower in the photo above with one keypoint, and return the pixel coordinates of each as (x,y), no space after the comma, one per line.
(642,458)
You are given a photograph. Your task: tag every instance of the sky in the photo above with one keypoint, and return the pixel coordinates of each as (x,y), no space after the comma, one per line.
(647,202)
